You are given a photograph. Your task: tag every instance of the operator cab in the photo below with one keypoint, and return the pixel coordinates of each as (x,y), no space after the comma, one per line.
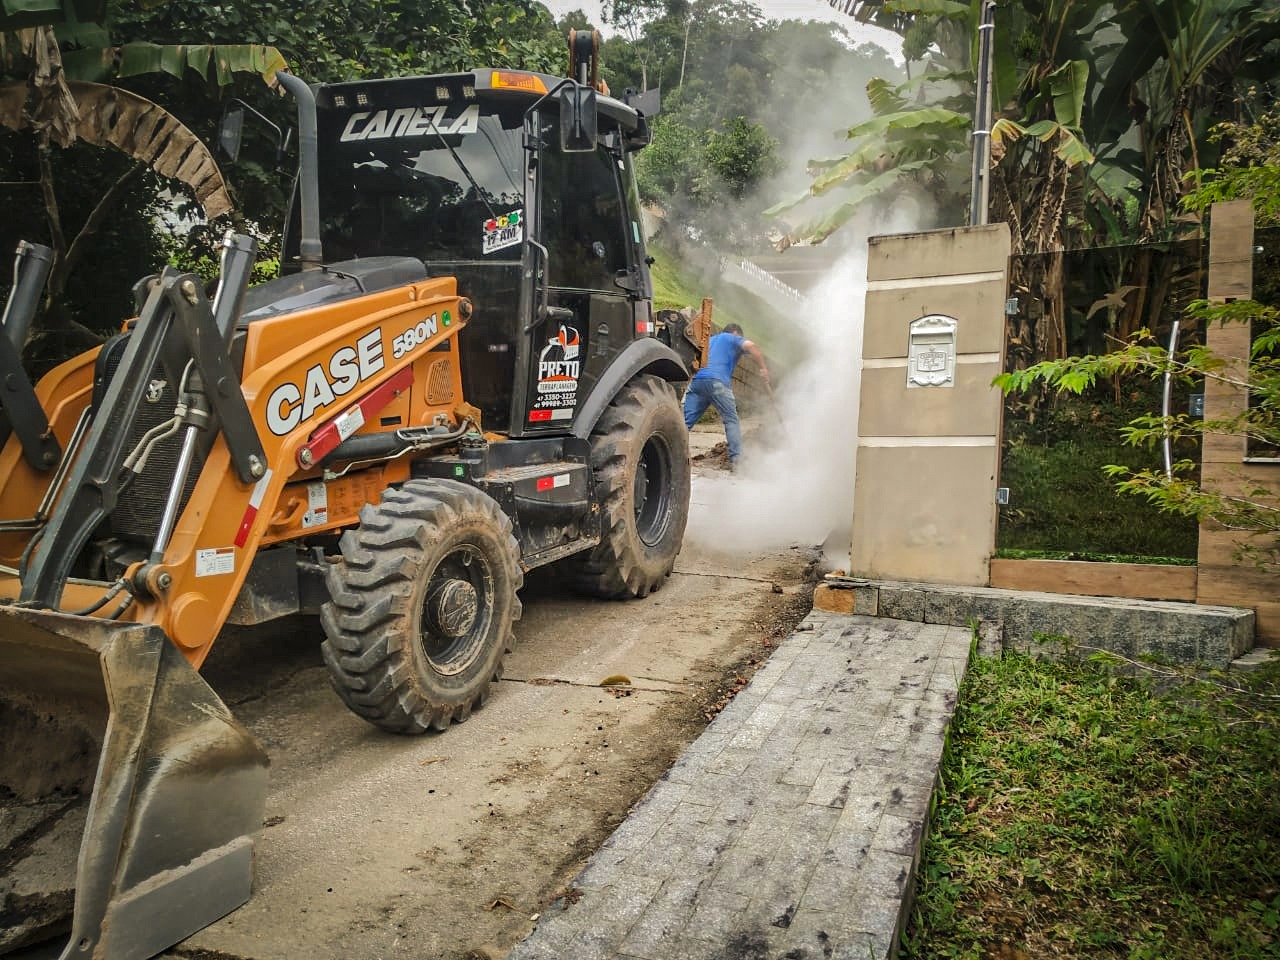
(465,172)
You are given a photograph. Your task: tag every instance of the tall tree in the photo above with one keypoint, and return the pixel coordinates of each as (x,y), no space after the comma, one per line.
(631,18)
(40,95)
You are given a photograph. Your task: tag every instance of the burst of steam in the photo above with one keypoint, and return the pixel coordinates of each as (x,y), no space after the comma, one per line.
(795,485)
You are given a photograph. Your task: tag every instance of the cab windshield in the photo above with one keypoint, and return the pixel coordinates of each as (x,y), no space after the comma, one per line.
(391,185)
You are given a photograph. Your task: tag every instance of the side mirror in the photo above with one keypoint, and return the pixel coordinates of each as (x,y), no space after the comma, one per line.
(577,118)
(628,280)
(231,130)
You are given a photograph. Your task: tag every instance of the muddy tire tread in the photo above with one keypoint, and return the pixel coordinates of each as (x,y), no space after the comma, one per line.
(370,615)
(615,568)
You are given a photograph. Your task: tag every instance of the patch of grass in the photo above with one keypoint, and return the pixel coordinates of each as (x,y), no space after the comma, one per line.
(1011,554)
(1082,814)
(674,286)
(1061,500)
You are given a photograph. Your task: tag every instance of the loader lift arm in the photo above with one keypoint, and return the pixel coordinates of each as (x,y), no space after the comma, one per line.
(175,309)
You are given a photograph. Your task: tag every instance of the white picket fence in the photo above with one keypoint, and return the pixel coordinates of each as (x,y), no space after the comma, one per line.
(745,273)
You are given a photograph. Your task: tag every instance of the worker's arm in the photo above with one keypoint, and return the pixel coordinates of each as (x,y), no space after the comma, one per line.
(758,355)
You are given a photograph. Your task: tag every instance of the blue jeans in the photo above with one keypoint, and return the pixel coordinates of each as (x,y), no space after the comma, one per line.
(706,392)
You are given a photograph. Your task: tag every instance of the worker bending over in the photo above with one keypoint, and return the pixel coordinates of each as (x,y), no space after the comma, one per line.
(712,385)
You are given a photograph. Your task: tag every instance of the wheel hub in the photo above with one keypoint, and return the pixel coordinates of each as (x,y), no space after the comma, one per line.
(452,608)
(651,490)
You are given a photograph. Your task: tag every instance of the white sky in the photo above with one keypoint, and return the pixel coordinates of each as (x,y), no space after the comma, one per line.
(773,10)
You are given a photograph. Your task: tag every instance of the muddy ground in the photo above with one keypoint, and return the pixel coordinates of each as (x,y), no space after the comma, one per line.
(448,846)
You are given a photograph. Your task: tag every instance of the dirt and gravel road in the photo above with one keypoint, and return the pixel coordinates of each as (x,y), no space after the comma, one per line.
(379,847)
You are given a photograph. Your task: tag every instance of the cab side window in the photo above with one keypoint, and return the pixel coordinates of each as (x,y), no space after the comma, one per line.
(583,219)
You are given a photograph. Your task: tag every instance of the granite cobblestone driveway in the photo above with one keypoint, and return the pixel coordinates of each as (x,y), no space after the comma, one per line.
(791,828)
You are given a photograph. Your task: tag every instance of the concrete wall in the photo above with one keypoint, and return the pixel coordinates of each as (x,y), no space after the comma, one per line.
(930,423)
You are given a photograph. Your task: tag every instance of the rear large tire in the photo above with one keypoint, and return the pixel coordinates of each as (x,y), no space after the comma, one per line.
(421,607)
(640,464)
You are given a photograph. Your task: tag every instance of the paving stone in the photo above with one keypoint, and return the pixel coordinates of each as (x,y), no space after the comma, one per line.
(664,916)
(685,772)
(603,870)
(880,909)
(863,946)
(834,887)
(537,946)
(829,790)
(706,747)
(804,771)
(856,829)
(749,940)
(711,789)
(900,835)
(731,761)
(785,737)
(845,761)
(600,923)
(715,915)
(737,809)
(706,847)
(779,890)
(643,822)
(814,934)
(738,869)
(684,949)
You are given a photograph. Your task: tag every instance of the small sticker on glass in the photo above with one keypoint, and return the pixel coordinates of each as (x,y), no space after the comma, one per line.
(504,231)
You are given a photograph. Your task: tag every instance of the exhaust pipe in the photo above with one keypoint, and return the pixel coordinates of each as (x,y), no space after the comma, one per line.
(308,170)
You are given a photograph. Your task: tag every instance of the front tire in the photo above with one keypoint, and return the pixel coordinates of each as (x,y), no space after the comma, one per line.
(422,605)
(640,464)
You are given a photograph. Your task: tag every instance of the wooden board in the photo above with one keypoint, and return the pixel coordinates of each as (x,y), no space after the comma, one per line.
(1133,581)
(1234,588)
(1231,250)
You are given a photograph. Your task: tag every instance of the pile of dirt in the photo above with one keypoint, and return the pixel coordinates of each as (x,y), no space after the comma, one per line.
(717,456)
(752,439)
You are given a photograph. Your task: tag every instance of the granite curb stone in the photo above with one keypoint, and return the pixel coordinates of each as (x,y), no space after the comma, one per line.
(792,827)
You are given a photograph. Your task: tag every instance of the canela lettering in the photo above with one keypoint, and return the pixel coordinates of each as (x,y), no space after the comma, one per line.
(408,122)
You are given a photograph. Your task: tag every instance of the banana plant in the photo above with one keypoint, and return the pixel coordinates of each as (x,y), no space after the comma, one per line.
(62,99)
(920,126)
(1185,59)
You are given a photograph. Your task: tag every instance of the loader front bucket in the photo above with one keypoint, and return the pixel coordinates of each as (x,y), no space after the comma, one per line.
(129,795)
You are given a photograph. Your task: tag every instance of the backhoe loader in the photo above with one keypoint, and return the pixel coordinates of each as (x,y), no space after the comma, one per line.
(454,380)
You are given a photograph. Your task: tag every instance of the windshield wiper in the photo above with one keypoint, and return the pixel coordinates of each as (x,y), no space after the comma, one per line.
(465,172)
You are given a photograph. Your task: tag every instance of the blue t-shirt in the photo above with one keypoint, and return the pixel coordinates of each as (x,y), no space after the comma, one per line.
(723,351)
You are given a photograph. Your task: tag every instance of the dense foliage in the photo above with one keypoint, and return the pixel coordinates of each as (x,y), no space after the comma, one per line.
(745,101)
(1102,109)
(78,197)
(1253,508)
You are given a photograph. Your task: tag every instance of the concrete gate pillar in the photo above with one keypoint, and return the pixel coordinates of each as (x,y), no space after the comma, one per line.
(929,420)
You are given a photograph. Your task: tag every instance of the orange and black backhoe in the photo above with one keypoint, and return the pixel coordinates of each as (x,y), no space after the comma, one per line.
(356,439)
